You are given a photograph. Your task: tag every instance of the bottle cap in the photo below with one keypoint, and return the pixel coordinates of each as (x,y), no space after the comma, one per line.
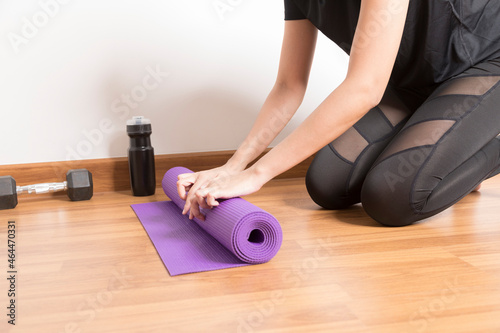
(138,125)
(138,120)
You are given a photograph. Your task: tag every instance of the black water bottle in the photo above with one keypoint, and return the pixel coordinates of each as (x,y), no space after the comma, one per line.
(141,159)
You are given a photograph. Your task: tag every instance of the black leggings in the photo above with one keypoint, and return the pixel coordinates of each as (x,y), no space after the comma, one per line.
(413,156)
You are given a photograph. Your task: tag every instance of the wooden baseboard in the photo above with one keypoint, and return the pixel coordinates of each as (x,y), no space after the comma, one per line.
(112,174)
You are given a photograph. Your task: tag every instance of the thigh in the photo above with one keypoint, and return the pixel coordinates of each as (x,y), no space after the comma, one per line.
(335,176)
(445,149)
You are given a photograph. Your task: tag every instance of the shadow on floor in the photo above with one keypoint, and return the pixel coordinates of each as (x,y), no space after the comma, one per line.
(355,215)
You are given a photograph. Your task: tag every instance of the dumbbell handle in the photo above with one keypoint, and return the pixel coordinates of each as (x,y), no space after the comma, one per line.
(42,188)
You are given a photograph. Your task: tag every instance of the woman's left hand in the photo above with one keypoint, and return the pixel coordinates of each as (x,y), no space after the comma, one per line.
(223,186)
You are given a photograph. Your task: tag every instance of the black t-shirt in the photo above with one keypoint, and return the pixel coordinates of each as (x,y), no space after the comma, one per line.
(441,38)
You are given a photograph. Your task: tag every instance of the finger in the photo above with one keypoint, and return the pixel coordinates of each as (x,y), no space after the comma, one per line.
(200,198)
(184,175)
(191,201)
(188,204)
(183,186)
(181,190)
(211,201)
(187,207)
(199,215)
(191,211)
(188,178)
(195,212)
(184,192)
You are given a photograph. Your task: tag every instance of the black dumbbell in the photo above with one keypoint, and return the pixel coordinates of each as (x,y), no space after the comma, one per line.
(78,184)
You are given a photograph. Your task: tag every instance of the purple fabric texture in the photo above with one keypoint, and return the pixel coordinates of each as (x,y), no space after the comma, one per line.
(235,233)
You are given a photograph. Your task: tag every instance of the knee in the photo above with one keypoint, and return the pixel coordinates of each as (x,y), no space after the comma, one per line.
(386,202)
(327,181)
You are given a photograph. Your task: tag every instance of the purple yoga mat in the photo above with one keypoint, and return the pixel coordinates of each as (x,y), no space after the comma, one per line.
(235,233)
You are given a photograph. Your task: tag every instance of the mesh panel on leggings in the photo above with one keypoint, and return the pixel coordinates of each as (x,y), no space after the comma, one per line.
(393,109)
(429,132)
(421,134)
(468,85)
(350,144)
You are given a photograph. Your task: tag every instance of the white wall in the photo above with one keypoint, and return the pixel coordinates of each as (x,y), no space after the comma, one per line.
(66,67)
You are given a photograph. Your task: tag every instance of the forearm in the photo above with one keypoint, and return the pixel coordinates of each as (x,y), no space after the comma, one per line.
(276,112)
(338,112)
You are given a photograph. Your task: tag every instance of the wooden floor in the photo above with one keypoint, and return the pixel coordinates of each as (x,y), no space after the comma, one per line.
(90,267)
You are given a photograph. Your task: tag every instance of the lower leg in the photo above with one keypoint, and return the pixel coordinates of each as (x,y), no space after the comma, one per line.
(494,173)
(397,193)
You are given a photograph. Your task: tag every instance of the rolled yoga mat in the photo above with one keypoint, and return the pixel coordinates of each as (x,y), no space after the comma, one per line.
(235,233)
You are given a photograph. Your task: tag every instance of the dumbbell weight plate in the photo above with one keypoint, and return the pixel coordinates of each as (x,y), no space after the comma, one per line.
(8,194)
(80,185)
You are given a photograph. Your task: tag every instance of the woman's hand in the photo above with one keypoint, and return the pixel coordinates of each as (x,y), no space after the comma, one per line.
(196,180)
(202,189)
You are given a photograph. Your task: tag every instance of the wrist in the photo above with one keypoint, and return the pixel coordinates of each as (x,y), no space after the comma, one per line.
(260,173)
(235,165)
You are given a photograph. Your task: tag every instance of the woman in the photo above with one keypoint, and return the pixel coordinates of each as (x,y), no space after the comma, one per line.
(411,130)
